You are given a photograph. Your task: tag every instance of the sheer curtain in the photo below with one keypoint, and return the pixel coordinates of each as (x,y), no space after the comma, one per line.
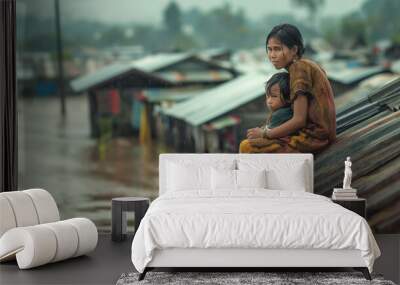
(8,100)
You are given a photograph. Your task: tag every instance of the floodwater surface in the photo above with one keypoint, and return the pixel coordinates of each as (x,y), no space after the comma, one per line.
(83,174)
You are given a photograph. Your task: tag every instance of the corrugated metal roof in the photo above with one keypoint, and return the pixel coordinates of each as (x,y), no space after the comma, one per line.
(354,75)
(156,62)
(85,82)
(372,139)
(149,63)
(155,66)
(388,95)
(220,100)
(221,123)
(174,95)
(377,101)
(395,66)
(363,89)
(196,76)
(214,52)
(351,118)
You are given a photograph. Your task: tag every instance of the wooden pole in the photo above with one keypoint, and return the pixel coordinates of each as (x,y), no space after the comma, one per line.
(60,59)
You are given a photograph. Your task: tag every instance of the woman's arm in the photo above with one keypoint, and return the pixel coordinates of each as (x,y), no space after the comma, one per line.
(298,121)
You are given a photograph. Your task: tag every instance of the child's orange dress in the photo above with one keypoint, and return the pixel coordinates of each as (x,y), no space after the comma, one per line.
(306,77)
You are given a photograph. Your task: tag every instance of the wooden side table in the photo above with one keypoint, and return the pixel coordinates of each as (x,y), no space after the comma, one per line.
(358,206)
(119,207)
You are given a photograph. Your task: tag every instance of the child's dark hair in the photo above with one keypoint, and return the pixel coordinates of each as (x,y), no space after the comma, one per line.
(282,79)
(289,35)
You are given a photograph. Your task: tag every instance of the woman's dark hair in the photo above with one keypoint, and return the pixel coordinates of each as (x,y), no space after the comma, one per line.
(282,79)
(289,35)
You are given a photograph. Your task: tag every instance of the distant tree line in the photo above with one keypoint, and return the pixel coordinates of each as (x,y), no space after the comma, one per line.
(221,26)
(376,20)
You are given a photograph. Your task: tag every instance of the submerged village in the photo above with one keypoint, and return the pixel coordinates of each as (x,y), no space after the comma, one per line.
(129,93)
(129,111)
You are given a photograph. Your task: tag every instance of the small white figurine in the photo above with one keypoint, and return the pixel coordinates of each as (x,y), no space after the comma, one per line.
(347,174)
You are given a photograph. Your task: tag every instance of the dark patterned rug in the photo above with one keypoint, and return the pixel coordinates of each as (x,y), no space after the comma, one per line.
(229,278)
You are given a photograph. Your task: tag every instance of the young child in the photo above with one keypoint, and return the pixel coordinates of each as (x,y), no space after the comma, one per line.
(277,91)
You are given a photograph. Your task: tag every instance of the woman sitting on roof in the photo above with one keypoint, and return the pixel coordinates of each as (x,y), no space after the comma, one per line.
(313,125)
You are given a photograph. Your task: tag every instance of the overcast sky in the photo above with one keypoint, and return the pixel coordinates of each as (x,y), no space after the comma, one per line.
(150,11)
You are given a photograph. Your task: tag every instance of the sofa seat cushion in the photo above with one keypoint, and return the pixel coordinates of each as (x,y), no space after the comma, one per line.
(40,244)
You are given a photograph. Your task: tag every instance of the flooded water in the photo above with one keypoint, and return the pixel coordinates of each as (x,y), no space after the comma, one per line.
(81,173)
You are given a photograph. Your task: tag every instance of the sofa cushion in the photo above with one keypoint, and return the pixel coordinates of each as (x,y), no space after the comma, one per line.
(45,205)
(27,208)
(24,210)
(7,220)
(41,244)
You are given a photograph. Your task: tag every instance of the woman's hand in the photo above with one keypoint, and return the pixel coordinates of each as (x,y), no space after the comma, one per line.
(255,133)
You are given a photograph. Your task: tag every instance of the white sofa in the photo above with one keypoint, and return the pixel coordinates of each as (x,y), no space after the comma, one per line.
(287,177)
(31,231)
